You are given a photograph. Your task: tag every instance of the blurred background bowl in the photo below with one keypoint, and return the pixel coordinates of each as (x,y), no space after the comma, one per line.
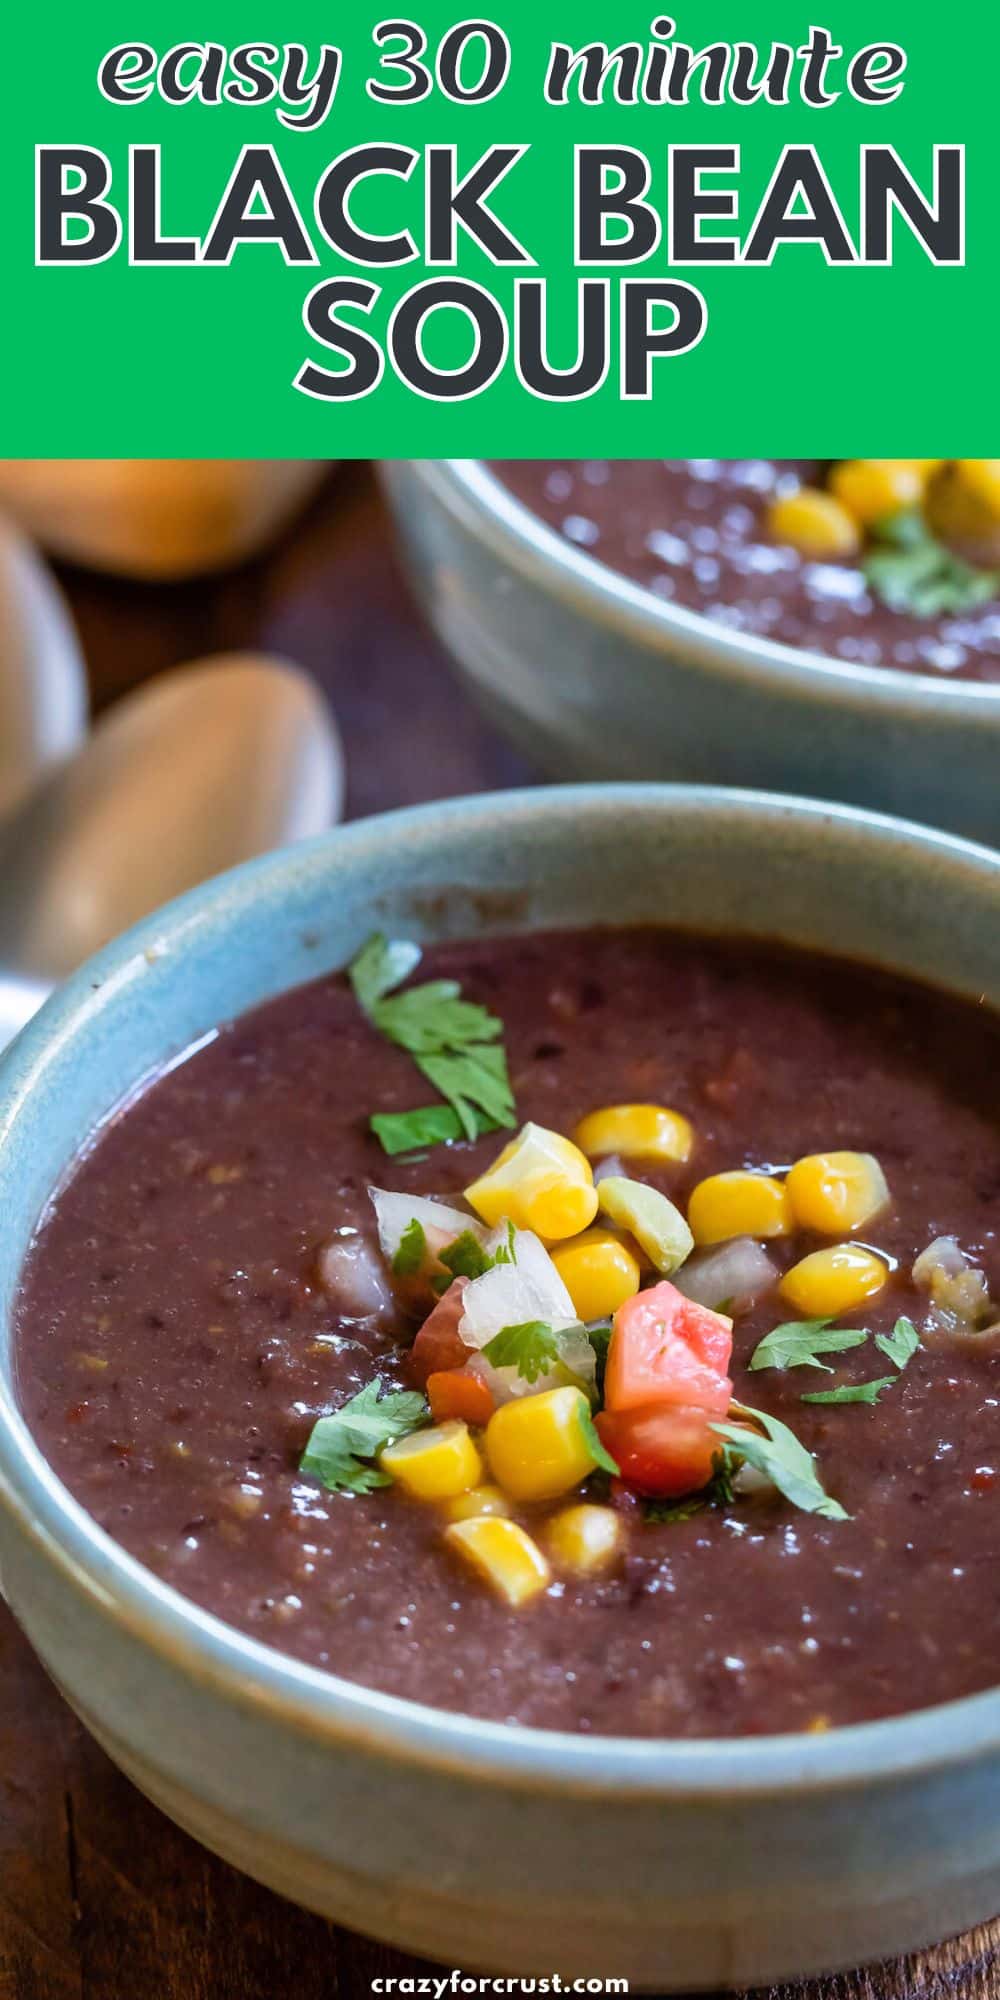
(593,677)
(43,680)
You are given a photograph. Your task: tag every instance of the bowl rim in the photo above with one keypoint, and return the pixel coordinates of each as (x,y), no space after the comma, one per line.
(521,538)
(322,1706)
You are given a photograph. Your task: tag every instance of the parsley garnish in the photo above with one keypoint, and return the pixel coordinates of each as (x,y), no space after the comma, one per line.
(361,1428)
(532,1349)
(912,571)
(453,1042)
(601,1457)
(404,1131)
(599,1336)
(852,1392)
(901,1344)
(799,1342)
(781,1458)
(466,1257)
(380,966)
(411,1251)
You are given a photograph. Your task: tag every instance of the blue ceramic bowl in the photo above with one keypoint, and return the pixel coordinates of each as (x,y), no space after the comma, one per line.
(594,677)
(669,1864)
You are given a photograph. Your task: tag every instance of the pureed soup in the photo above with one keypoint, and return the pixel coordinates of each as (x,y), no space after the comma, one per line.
(875,562)
(670,1405)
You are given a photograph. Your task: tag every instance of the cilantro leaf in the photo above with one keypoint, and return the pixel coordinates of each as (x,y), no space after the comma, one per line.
(601,1456)
(454,1042)
(380,965)
(781,1458)
(901,1344)
(797,1343)
(853,1392)
(466,1258)
(411,1251)
(532,1349)
(434,1016)
(356,1432)
(405,1131)
(912,571)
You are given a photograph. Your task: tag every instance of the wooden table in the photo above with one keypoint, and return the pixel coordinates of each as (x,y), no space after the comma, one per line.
(101,1898)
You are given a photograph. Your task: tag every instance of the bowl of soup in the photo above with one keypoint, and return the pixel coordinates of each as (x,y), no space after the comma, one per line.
(500,1377)
(727,621)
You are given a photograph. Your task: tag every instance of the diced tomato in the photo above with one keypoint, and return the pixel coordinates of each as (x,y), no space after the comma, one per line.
(662,1449)
(439,1345)
(454,1392)
(666,1349)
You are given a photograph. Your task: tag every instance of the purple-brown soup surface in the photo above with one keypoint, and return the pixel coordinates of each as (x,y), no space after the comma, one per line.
(695,533)
(175,1344)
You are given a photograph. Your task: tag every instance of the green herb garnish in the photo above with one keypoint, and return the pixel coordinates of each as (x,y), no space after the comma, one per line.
(781,1458)
(798,1343)
(599,1336)
(411,1252)
(453,1042)
(466,1257)
(380,966)
(341,1443)
(601,1456)
(853,1392)
(532,1349)
(405,1131)
(910,570)
(901,1344)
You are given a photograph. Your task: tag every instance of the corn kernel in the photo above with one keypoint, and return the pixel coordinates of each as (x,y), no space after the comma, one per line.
(636,1131)
(539,1447)
(834,1281)
(540,1181)
(481,1500)
(834,1193)
(598,1271)
(740,1203)
(814,523)
(873,489)
(584,1539)
(981,478)
(658,1227)
(434,1464)
(503,1554)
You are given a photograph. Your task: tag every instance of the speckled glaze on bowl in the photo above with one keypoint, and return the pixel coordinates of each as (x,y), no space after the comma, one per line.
(669,1864)
(594,677)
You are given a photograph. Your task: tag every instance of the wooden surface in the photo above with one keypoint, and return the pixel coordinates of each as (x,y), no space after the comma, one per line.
(101,1898)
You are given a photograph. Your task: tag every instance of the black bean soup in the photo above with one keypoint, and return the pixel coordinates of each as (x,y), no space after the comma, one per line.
(209,1287)
(718,536)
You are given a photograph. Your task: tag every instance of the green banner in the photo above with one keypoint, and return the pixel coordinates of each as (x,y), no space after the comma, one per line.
(538,230)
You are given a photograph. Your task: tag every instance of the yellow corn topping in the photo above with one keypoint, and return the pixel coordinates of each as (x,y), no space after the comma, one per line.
(584,1539)
(636,1131)
(598,1271)
(873,489)
(834,1193)
(538,1447)
(540,1181)
(503,1554)
(435,1464)
(981,476)
(815,523)
(830,1282)
(739,1204)
(481,1500)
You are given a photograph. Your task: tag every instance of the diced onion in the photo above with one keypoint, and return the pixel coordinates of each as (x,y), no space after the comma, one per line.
(350,1272)
(612,1167)
(943,1258)
(958,1291)
(729,1275)
(512,1294)
(440,1224)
